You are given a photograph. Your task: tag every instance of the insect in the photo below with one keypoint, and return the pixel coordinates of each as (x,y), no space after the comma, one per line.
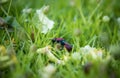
(63,43)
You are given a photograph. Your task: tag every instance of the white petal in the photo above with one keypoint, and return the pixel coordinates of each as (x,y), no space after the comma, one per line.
(118,20)
(106,18)
(44,29)
(47,24)
(93,52)
(27,10)
(76,56)
(48,71)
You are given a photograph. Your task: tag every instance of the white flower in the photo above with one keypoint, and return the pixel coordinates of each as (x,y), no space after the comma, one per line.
(47,51)
(99,53)
(76,56)
(106,18)
(47,24)
(77,32)
(48,71)
(65,58)
(44,49)
(46,9)
(72,3)
(86,49)
(26,10)
(93,52)
(118,20)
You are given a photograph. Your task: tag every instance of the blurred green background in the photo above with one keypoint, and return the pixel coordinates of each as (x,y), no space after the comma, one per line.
(84,16)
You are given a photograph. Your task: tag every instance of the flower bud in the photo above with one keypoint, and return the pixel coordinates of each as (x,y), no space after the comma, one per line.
(48,71)
(44,49)
(118,20)
(47,51)
(46,9)
(27,10)
(75,56)
(106,19)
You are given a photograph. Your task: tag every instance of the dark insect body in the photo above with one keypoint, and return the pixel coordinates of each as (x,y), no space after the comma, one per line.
(63,43)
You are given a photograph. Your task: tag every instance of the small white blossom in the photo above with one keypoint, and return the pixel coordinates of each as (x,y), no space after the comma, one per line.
(27,10)
(44,49)
(46,9)
(48,71)
(86,49)
(77,32)
(106,18)
(47,51)
(25,13)
(47,24)
(76,56)
(72,3)
(118,20)
(65,58)
(26,20)
(93,52)
(99,53)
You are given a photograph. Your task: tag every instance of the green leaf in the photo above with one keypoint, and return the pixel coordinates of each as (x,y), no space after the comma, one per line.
(12,22)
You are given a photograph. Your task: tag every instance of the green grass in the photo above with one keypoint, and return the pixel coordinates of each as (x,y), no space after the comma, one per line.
(85,16)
